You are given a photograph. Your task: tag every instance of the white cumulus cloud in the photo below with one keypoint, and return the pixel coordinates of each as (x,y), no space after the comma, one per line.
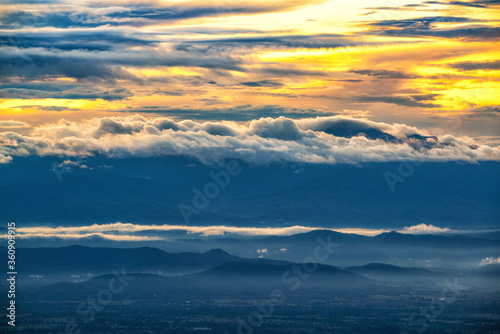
(425,229)
(313,140)
(490,260)
(5,159)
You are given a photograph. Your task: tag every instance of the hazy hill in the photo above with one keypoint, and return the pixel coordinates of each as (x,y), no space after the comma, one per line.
(271,274)
(78,259)
(389,272)
(182,253)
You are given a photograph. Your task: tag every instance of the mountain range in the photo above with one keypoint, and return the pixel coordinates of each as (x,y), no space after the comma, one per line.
(78,263)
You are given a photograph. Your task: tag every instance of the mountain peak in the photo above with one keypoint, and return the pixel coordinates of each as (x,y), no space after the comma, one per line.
(220,255)
(217,251)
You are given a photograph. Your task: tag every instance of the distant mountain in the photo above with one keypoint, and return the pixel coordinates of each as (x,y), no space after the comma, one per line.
(242,277)
(434,240)
(406,250)
(233,270)
(79,259)
(251,273)
(488,271)
(393,273)
(61,263)
(137,286)
(388,238)
(349,129)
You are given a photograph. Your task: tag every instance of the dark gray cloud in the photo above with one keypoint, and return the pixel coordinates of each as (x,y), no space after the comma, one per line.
(22,19)
(492,111)
(73,40)
(407,101)
(61,91)
(137,14)
(425,97)
(476,4)
(426,27)
(473,33)
(237,113)
(262,83)
(421,22)
(30,2)
(78,64)
(286,41)
(288,71)
(385,74)
(50,108)
(13,124)
(40,66)
(414,5)
(476,65)
(425,5)
(401,8)
(495,109)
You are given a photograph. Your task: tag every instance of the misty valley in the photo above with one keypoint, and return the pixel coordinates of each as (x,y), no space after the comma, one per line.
(314,290)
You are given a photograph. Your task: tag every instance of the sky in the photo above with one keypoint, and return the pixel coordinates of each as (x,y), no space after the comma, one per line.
(428,64)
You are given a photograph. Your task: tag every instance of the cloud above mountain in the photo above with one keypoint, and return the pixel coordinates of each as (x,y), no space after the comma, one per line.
(327,140)
(490,260)
(425,229)
(134,232)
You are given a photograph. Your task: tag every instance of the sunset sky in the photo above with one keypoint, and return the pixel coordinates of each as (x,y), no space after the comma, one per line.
(186,144)
(424,64)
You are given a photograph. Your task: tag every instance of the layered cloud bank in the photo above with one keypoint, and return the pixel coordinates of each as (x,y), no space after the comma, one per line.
(261,141)
(136,232)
